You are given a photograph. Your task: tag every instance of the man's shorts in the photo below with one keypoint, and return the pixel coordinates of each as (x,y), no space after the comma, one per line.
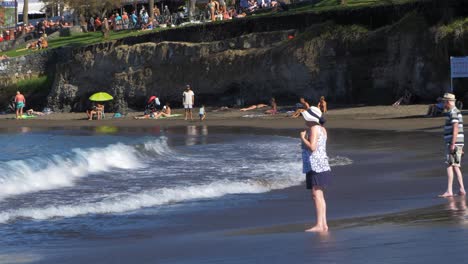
(187,106)
(454,158)
(19,105)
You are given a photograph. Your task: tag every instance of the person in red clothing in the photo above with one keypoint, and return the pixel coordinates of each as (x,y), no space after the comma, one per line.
(97,23)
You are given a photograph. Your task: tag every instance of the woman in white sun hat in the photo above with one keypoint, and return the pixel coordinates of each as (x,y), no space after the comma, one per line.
(315,163)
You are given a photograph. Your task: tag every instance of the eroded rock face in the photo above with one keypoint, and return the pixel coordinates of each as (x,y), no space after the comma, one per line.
(132,73)
(347,64)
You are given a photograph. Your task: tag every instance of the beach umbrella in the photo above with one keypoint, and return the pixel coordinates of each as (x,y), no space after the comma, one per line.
(101,97)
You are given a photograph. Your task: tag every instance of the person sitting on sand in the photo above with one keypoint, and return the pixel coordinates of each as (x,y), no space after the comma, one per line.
(322,105)
(31,112)
(95,110)
(303,106)
(166,112)
(90,112)
(436,109)
(252,107)
(274,109)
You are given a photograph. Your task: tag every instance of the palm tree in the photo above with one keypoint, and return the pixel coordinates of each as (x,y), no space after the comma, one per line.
(25,12)
(151,11)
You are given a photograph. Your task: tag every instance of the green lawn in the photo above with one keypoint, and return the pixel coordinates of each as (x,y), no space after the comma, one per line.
(83,39)
(80,39)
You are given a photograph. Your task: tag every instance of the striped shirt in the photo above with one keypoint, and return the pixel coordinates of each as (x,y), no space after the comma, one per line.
(454,118)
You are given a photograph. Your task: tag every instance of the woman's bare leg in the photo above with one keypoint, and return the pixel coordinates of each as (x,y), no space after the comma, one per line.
(320,207)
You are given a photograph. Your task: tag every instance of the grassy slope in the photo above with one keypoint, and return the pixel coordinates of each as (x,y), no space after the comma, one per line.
(83,39)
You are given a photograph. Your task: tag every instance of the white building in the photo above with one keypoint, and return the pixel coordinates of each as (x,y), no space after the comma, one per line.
(35,7)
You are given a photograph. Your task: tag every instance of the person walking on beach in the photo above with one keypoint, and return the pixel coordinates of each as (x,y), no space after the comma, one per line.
(315,163)
(20,102)
(188,101)
(454,141)
(202,113)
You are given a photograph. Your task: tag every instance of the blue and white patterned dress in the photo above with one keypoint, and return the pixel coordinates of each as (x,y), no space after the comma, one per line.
(315,163)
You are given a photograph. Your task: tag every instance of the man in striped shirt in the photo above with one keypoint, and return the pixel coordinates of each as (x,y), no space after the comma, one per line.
(454,141)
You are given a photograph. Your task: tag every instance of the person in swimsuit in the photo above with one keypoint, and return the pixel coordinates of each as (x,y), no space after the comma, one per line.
(212,7)
(166,112)
(274,109)
(252,107)
(20,102)
(322,105)
(315,164)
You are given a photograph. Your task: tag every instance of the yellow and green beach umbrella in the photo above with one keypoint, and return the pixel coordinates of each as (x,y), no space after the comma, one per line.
(101,97)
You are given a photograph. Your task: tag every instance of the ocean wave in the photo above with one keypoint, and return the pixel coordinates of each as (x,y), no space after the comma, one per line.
(278,176)
(130,202)
(38,174)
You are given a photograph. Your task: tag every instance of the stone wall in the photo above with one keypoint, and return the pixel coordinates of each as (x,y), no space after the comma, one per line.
(32,65)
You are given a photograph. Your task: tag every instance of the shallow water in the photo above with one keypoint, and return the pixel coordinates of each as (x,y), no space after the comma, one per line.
(220,195)
(58,183)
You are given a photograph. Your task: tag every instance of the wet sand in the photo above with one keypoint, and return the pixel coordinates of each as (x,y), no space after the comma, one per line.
(382,209)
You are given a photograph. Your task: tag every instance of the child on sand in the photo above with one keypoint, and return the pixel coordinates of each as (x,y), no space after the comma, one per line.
(202,113)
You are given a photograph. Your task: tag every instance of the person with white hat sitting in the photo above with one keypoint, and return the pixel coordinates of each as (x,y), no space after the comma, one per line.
(454,140)
(315,163)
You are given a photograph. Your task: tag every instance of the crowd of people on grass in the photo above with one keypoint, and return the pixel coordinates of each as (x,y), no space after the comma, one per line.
(39,29)
(139,18)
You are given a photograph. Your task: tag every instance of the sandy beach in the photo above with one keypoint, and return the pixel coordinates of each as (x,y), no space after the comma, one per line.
(402,118)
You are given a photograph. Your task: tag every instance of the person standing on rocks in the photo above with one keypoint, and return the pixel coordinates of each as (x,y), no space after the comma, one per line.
(454,141)
(188,101)
(20,102)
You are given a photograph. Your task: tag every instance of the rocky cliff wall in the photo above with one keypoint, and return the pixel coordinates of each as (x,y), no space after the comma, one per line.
(348,64)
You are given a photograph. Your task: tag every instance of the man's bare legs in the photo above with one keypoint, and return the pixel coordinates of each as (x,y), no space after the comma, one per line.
(449,192)
(460,180)
(321,209)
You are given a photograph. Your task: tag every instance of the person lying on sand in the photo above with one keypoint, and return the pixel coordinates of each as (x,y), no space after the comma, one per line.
(31,112)
(252,107)
(147,116)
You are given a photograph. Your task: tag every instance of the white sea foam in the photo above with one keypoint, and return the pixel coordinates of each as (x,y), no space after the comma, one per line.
(277,176)
(160,147)
(24,176)
(129,202)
